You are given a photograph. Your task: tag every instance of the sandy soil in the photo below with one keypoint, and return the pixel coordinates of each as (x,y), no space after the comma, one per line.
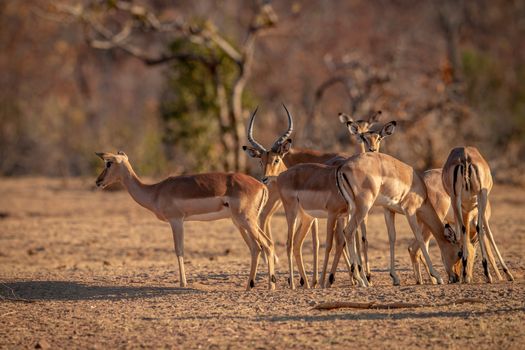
(81,268)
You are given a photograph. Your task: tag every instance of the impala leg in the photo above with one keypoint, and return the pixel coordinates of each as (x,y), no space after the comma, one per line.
(273,203)
(255,251)
(491,259)
(350,233)
(471,248)
(300,235)
(364,240)
(432,279)
(330,226)
(415,256)
(315,247)
(391,228)
(498,254)
(340,240)
(289,250)
(421,261)
(365,273)
(359,211)
(177,229)
(267,245)
(291,218)
(358,247)
(416,229)
(341,248)
(482,205)
(461,230)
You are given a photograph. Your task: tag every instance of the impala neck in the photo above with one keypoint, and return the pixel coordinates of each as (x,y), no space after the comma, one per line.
(142,194)
(360,148)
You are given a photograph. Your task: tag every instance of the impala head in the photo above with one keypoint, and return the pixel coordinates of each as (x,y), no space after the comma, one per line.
(271,160)
(369,132)
(115,167)
(451,258)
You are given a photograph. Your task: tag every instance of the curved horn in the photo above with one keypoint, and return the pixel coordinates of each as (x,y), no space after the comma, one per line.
(288,132)
(254,143)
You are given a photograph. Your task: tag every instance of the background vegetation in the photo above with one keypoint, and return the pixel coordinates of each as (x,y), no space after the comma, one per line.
(451,72)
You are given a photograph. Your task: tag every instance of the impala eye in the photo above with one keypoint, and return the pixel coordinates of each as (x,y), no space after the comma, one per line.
(276,161)
(108,164)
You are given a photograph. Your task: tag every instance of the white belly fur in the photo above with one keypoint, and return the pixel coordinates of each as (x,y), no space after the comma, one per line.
(313,203)
(204,209)
(320,214)
(390,203)
(216,215)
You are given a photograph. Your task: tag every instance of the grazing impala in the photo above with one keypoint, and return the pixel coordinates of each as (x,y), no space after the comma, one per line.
(441,202)
(467,180)
(278,159)
(378,179)
(202,197)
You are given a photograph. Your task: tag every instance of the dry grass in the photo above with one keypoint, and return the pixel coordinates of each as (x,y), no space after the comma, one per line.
(99,271)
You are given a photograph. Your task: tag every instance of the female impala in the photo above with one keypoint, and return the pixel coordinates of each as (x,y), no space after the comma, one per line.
(442,204)
(378,179)
(202,197)
(467,180)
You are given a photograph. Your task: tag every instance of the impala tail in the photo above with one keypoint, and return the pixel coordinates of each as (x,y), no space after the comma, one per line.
(344,188)
(466,177)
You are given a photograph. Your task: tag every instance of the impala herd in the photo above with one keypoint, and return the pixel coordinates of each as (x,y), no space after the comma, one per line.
(449,204)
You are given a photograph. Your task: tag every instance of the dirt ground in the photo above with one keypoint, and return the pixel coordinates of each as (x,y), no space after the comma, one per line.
(81,268)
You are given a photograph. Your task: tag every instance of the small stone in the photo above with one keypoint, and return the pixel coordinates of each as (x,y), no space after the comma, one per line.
(106,263)
(33,251)
(42,344)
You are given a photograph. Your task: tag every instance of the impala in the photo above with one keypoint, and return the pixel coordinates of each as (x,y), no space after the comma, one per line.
(467,180)
(202,197)
(369,135)
(378,179)
(310,191)
(441,202)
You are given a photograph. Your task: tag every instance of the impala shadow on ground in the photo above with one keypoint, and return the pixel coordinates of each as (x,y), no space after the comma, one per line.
(66,290)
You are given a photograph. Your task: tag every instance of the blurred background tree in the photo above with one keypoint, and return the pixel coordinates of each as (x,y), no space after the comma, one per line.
(161,86)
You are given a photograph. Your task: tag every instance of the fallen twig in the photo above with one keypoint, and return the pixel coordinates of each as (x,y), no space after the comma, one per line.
(385,306)
(8,313)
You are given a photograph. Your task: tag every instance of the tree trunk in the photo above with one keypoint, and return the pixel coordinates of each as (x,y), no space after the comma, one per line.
(225,134)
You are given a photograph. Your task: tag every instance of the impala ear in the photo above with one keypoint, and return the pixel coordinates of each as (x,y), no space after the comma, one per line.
(252,152)
(389,128)
(102,155)
(121,153)
(353,127)
(284,147)
(345,118)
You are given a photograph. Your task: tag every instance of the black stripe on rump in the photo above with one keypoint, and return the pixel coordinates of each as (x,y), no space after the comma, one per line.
(337,183)
(456,168)
(476,169)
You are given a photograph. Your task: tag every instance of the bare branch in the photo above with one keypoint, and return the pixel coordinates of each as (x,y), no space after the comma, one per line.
(119,40)
(206,35)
